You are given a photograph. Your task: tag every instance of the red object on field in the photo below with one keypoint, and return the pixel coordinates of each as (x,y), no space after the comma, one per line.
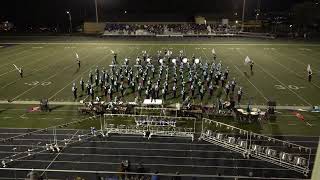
(299,116)
(34,109)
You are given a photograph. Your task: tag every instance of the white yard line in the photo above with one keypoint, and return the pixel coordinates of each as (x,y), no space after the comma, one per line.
(260,92)
(184,50)
(275,78)
(144,156)
(81,75)
(52,76)
(132,50)
(23,116)
(26,65)
(138,149)
(7,117)
(148,142)
(148,174)
(292,70)
(57,155)
(299,61)
(21,57)
(32,62)
(167,165)
(33,71)
(132,148)
(289,107)
(41,68)
(148,44)
(43,80)
(77,77)
(86,98)
(37,103)
(272,135)
(7,52)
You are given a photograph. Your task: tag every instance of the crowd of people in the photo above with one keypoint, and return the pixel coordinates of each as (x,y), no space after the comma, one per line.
(126,167)
(162,77)
(160,29)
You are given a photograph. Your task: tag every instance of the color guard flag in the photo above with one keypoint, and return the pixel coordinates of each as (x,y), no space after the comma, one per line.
(34,109)
(299,116)
(309,68)
(213,51)
(77,56)
(16,67)
(247,60)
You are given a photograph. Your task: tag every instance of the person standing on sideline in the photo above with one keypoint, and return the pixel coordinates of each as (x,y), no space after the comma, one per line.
(78,60)
(74,90)
(82,84)
(251,66)
(21,72)
(239,94)
(309,76)
(155,176)
(79,63)
(309,73)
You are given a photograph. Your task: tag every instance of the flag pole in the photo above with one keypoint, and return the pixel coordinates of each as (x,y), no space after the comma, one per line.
(243,12)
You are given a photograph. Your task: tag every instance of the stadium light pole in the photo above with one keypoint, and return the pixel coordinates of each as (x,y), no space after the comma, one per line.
(96,6)
(243,11)
(70,21)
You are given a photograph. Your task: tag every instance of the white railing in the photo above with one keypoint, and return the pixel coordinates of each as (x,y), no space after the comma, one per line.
(249,144)
(150,125)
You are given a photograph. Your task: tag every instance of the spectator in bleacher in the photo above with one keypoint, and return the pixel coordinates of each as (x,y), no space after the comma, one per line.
(155,176)
(140,170)
(168,29)
(121,171)
(33,175)
(176,177)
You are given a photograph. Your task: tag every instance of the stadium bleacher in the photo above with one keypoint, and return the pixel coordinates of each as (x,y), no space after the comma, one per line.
(167,29)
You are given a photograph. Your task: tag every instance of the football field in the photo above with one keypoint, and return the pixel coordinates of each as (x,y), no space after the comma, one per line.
(50,69)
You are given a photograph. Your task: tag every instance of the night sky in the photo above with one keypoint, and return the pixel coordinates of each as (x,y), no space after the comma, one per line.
(49,12)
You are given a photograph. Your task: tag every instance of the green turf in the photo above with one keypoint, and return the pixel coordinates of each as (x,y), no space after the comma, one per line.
(50,70)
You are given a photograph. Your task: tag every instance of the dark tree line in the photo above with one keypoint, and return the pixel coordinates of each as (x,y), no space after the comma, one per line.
(306,15)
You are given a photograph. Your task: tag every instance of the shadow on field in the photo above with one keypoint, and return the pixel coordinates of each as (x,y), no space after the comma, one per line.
(56,107)
(28,75)
(274,127)
(246,74)
(3,110)
(78,69)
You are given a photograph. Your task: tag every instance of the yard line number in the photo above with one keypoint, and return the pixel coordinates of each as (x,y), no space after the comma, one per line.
(293,87)
(36,83)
